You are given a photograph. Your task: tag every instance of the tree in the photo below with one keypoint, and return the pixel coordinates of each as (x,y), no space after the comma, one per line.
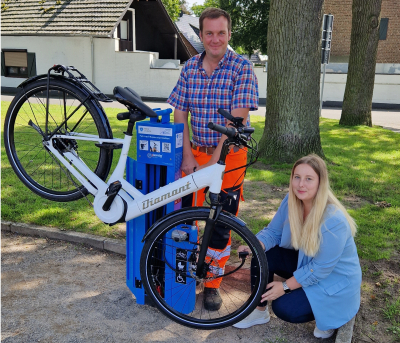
(357,101)
(184,7)
(294,69)
(249,24)
(173,8)
(197,9)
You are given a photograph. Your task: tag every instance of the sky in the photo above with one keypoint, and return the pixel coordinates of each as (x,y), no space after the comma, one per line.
(191,2)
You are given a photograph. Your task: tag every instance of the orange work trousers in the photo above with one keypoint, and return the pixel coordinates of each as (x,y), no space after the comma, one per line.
(220,245)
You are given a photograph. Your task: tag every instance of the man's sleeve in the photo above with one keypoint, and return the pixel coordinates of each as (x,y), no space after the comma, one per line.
(179,97)
(245,94)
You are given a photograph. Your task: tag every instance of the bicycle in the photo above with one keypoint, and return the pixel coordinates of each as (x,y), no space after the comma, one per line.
(51,130)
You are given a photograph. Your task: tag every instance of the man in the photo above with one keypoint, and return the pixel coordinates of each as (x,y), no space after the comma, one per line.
(217,78)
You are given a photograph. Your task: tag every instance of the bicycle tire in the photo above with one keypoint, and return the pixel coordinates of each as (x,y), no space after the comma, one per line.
(36,166)
(184,303)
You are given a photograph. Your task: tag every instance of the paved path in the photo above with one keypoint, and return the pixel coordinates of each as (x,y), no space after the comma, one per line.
(387,119)
(55,291)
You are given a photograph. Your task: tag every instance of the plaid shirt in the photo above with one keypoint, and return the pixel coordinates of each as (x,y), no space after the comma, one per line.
(232,85)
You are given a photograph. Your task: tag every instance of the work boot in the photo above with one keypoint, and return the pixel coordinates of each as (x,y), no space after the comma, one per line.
(212,299)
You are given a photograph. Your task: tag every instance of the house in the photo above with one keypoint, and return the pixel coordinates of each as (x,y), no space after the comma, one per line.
(389,31)
(113,42)
(188,27)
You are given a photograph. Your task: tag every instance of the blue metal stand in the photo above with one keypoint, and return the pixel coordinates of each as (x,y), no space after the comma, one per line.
(159,158)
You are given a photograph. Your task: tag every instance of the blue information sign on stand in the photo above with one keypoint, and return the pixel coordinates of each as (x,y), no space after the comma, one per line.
(159,158)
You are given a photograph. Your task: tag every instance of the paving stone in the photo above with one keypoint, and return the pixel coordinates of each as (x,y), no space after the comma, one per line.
(345,332)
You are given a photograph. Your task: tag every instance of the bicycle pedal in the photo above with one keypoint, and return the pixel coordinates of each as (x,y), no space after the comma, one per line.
(111,193)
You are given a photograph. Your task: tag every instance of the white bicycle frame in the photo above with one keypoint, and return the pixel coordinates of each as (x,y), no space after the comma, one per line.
(137,202)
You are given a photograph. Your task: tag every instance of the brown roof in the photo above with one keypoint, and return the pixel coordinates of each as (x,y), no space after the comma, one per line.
(62,17)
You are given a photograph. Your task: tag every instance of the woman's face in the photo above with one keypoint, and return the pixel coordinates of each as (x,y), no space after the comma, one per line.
(305,182)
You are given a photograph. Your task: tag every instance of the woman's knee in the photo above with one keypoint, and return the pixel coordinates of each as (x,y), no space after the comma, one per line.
(292,313)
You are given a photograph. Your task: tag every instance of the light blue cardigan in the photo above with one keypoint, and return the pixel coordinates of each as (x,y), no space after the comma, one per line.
(332,278)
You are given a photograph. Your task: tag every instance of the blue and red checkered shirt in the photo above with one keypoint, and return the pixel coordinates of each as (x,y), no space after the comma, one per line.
(232,85)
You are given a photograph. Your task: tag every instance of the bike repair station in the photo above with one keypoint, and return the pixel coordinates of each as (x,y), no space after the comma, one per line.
(159,158)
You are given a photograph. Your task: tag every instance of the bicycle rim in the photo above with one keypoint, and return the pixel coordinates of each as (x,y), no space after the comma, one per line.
(37,167)
(168,271)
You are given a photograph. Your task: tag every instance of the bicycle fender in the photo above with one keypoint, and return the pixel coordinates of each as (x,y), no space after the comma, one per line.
(44,76)
(188,209)
(100,109)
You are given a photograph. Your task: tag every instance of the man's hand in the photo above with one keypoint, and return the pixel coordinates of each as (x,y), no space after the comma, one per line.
(188,164)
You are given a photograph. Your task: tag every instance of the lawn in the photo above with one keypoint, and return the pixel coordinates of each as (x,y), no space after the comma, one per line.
(364,168)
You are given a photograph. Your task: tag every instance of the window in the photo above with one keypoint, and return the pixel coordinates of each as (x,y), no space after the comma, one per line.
(124,29)
(383,27)
(18,63)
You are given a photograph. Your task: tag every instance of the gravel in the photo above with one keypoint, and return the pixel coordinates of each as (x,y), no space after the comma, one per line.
(55,291)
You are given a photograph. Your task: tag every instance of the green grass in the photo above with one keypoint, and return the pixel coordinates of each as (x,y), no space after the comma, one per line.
(363,162)
(392,313)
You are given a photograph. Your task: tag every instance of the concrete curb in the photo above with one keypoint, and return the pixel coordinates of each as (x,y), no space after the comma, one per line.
(98,242)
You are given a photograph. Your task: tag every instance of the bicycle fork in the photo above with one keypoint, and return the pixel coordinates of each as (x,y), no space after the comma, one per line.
(216,208)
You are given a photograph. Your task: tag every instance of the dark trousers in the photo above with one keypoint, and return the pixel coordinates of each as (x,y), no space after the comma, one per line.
(221,234)
(293,307)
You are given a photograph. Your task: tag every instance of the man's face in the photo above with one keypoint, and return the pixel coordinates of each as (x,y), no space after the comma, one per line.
(215,37)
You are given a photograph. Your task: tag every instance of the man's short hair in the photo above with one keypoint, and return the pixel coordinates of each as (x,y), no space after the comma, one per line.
(214,13)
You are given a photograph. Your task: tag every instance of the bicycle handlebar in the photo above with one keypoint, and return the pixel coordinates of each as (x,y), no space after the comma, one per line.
(226,114)
(228,131)
(123,116)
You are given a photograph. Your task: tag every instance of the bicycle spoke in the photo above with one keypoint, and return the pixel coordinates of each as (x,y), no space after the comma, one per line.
(68,107)
(183,291)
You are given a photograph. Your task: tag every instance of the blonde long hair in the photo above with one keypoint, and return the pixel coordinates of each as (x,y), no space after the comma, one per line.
(306,235)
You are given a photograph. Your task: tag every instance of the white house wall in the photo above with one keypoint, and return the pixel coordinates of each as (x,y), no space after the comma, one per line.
(111,68)
(133,69)
(74,51)
(386,88)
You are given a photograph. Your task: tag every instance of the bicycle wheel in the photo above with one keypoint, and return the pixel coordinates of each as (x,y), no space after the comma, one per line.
(37,167)
(168,264)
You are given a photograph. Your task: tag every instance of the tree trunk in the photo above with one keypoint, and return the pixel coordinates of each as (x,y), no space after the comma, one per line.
(357,101)
(294,68)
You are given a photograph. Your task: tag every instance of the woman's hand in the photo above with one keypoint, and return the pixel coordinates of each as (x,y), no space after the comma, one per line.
(243,248)
(274,291)
(246,248)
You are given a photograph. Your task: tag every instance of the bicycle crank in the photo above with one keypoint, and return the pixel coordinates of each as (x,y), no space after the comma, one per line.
(116,210)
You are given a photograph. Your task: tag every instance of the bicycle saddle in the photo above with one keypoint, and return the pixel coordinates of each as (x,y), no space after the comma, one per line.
(132,100)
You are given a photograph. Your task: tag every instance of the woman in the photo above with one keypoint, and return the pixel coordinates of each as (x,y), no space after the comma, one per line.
(309,242)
